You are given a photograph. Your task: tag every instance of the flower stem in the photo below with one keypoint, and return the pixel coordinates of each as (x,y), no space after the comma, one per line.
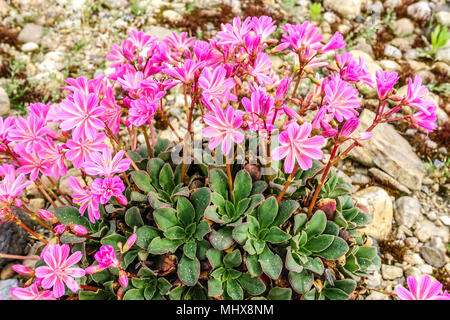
(23,226)
(147,142)
(16,257)
(230,179)
(69,201)
(41,189)
(34,216)
(290,179)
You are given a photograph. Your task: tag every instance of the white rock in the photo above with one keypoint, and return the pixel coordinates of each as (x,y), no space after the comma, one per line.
(31,32)
(390,65)
(349,9)
(427,229)
(392,4)
(4,102)
(445,220)
(391,272)
(419,10)
(407,211)
(403,27)
(391,51)
(425,269)
(29,46)
(443,17)
(172,15)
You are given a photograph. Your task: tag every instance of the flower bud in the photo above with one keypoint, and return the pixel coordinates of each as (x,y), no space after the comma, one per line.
(92,269)
(47,216)
(123,278)
(349,127)
(78,230)
(131,240)
(21,269)
(122,200)
(60,228)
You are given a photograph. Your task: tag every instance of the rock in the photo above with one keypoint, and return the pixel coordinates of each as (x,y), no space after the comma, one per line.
(413,272)
(389,151)
(413,258)
(330,17)
(349,9)
(387,180)
(443,54)
(411,242)
(407,211)
(4,103)
(7,272)
(391,272)
(416,65)
(378,296)
(425,269)
(433,256)
(445,220)
(159,32)
(358,178)
(375,9)
(390,65)
(379,205)
(426,75)
(443,17)
(37,204)
(31,32)
(411,54)
(374,280)
(3,8)
(391,51)
(392,4)
(13,239)
(403,27)
(344,29)
(420,11)
(172,15)
(115,4)
(442,68)
(29,46)
(441,116)
(5,288)
(427,229)
(63,182)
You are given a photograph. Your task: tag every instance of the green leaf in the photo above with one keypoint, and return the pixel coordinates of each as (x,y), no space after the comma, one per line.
(138,197)
(142,181)
(240,233)
(253,265)
(202,230)
(214,258)
(285,210)
(242,186)
(336,250)
(201,199)
(276,235)
(161,246)
(163,285)
(346,285)
(95,295)
(190,249)
(68,215)
(279,294)
(301,282)
(166,179)
(214,288)
(145,235)
(291,263)
(317,224)
(234,290)
(219,182)
(175,233)
(319,243)
(267,211)
(259,187)
(161,146)
(112,240)
(299,222)
(188,270)
(253,286)
(271,263)
(335,294)
(221,239)
(314,265)
(149,292)
(185,211)
(133,217)
(154,166)
(134,294)
(166,218)
(233,259)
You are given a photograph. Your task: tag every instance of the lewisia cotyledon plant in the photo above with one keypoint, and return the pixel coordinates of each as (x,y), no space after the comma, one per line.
(222,223)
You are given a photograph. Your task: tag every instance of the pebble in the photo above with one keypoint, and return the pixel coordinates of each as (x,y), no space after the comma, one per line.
(403,27)
(5,288)
(411,242)
(31,32)
(407,211)
(7,271)
(445,220)
(29,46)
(391,51)
(391,272)
(433,256)
(4,102)
(419,11)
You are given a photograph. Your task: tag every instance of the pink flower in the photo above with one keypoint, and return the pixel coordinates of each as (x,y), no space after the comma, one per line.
(261,69)
(106,188)
(84,198)
(102,164)
(282,89)
(415,95)
(21,269)
(260,110)
(58,270)
(349,127)
(425,289)
(81,150)
(263,26)
(341,98)
(385,83)
(47,216)
(5,127)
(187,72)
(33,164)
(141,112)
(353,71)
(130,242)
(31,293)
(39,110)
(28,134)
(106,257)
(223,127)
(78,229)
(112,111)
(302,36)
(82,114)
(335,43)
(180,43)
(60,228)
(123,278)
(54,155)
(234,34)
(11,187)
(295,145)
(215,85)
(426,121)
(140,40)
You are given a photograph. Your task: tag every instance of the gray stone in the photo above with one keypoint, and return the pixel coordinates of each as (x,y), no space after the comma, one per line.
(419,11)
(443,54)
(29,46)
(445,220)
(391,272)
(172,15)
(379,205)
(407,211)
(390,65)
(358,178)
(391,51)
(159,32)
(390,152)
(427,229)
(442,68)
(387,180)
(31,32)
(443,17)
(433,256)
(5,288)
(13,239)
(4,103)
(403,27)
(349,9)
